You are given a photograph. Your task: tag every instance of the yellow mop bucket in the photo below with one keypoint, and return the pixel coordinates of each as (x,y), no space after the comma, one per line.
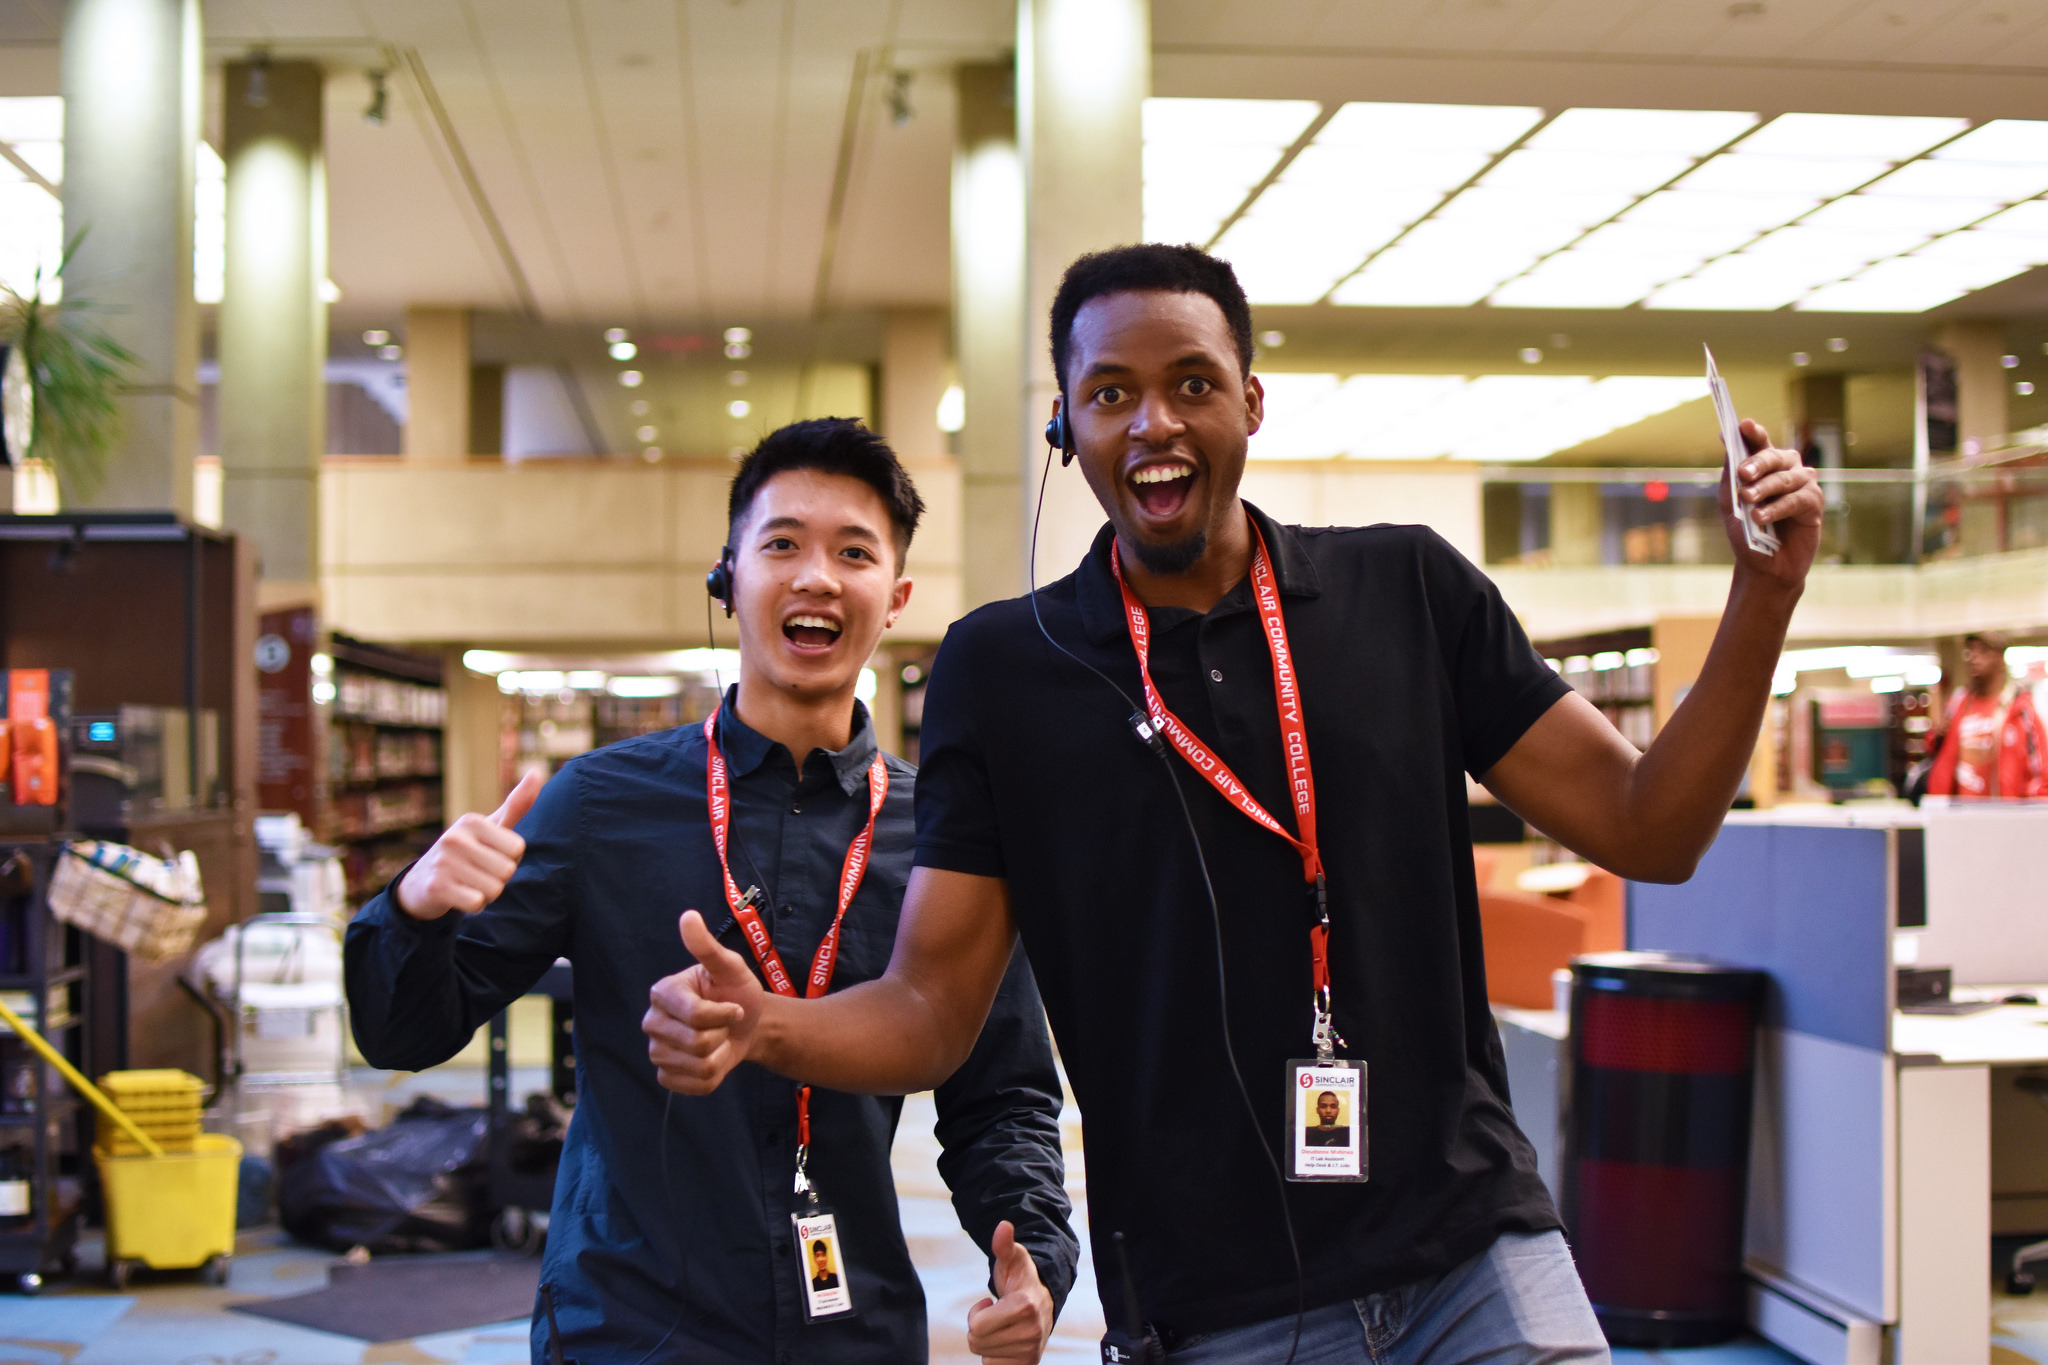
(165,1210)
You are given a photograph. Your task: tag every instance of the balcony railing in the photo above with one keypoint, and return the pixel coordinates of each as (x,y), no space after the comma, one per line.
(1539,517)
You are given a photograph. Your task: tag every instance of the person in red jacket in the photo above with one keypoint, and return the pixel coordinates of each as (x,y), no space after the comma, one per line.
(1991,746)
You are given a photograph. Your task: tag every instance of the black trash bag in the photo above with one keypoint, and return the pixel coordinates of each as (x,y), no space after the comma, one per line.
(419,1185)
(536,1136)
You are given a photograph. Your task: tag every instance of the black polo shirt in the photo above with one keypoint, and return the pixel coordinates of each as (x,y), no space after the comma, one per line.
(1413,673)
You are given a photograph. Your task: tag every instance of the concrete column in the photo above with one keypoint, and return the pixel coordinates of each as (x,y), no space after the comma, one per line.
(273,323)
(1084,68)
(470,761)
(1575,524)
(487,409)
(989,330)
(1982,384)
(132,85)
(913,380)
(437,381)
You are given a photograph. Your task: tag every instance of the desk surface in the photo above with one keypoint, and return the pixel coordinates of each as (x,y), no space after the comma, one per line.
(2005,1035)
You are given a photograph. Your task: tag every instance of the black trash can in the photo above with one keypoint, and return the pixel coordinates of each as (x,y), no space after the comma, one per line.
(1656,1143)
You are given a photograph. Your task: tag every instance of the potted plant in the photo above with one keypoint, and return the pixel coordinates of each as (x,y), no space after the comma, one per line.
(61,380)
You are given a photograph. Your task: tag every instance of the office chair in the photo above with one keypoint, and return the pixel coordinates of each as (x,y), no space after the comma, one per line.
(2020,1280)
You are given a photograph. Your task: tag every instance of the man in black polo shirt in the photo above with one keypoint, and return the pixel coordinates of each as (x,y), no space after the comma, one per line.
(1321,695)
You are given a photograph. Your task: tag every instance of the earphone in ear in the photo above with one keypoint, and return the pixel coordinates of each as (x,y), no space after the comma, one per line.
(1060,434)
(719,581)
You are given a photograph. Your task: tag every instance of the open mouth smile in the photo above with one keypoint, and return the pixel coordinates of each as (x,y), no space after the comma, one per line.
(1162,489)
(811,632)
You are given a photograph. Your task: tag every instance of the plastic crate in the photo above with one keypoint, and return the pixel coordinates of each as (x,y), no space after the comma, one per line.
(165,1104)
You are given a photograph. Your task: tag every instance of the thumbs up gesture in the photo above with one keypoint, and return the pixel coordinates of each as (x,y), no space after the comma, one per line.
(1016,1324)
(468,866)
(700,1021)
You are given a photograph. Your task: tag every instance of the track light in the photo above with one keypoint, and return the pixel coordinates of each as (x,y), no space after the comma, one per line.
(379,107)
(256,94)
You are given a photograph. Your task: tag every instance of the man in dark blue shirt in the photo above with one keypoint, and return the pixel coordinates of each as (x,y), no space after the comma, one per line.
(674,1233)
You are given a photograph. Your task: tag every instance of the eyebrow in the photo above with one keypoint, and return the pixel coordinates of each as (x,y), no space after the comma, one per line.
(1192,360)
(851,528)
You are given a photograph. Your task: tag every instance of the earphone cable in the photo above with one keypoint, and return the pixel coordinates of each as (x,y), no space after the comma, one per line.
(1215,919)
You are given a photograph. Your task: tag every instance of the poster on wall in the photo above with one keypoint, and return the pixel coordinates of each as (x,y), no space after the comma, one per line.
(1937,513)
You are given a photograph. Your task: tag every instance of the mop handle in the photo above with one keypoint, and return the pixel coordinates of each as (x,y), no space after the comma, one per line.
(78,1082)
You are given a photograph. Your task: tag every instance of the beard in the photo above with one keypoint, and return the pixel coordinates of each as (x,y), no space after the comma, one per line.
(1175,558)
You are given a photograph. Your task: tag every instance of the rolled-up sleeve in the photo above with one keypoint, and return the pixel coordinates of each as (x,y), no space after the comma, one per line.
(419,990)
(998,1126)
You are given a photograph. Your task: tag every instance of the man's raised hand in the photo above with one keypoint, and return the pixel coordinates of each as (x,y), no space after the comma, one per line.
(1017,1322)
(468,866)
(700,1021)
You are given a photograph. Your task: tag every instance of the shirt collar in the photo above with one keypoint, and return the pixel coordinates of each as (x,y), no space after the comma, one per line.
(1102,606)
(746,748)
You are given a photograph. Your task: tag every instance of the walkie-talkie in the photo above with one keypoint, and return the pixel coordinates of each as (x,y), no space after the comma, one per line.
(1135,1343)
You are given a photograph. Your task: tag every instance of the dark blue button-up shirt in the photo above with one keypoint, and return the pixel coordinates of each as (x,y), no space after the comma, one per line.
(670,1232)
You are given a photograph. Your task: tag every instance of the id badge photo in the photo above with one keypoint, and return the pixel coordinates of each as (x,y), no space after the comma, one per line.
(1326,1128)
(820,1266)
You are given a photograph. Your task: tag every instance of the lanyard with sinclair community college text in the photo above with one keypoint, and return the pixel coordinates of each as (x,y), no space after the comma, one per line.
(718,797)
(1301,783)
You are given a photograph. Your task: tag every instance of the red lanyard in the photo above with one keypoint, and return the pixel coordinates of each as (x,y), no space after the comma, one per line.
(1301,782)
(718,797)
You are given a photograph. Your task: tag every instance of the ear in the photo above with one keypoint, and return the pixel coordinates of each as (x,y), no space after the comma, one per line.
(899,598)
(1254,404)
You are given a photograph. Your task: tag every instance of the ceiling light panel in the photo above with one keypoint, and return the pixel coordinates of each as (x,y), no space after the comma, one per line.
(1203,156)
(1874,212)
(1581,278)
(1748,283)
(1680,132)
(1972,180)
(1680,207)
(1429,127)
(1586,172)
(2009,141)
(1882,136)
(1901,285)
(1491,417)
(32,118)
(1846,251)
(1809,177)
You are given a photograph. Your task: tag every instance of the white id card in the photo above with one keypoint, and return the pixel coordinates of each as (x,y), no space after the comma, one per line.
(1326,1121)
(820,1266)
(1757,536)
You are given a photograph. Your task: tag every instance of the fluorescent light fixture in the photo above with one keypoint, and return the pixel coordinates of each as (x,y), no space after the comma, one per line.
(1885,136)
(1429,127)
(486,661)
(1291,249)
(32,118)
(209,226)
(1202,156)
(1819,177)
(541,680)
(1665,241)
(1582,278)
(2030,217)
(1976,249)
(1893,684)
(31,237)
(738,407)
(1486,210)
(1684,132)
(1965,180)
(1490,417)
(1747,283)
(952,413)
(508,682)
(1904,284)
(1849,251)
(1923,675)
(1684,208)
(1225,123)
(1420,277)
(1586,171)
(1875,212)
(2006,141)
(1366,173)
(644,686)
(586,679)
(724,661)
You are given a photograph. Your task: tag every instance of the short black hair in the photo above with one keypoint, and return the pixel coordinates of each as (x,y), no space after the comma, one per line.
(831,445)
(1149,266)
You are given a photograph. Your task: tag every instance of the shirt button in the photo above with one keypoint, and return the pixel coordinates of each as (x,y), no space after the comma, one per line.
(787,911)
(1215,675)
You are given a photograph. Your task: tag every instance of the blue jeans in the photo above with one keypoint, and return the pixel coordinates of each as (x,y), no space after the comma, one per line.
(1517,1303)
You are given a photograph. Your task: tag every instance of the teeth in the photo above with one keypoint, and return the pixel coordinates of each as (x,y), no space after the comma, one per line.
(816,621)
(1162,473)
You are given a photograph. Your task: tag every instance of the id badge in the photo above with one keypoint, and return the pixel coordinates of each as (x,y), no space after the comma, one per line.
(821,1267)
(1326,1129)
